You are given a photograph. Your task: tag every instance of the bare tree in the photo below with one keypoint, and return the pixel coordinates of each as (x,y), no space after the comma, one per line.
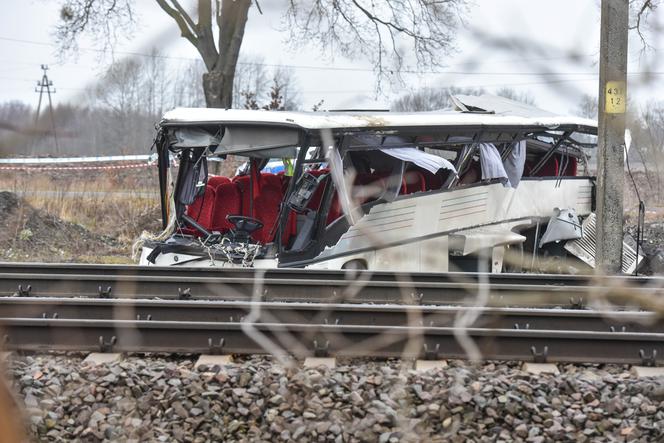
(101,18)
(155,84)
(285,81)
(14,117)
(383,32)
(587,106)
(376,30)
(104,21)
(430,99)
(120,86)
(133,94)
(187,88)
(251,77)
(281,96)
(512,94)
(647,130)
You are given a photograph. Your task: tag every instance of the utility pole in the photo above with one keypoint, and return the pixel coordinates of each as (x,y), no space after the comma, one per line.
(611,134)
(45,85)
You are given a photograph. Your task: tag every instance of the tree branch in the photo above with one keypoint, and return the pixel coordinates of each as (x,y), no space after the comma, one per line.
(377,30)
(642,13)
(231,22)
(103,20)
(206,44)
(186,31)
(184,14)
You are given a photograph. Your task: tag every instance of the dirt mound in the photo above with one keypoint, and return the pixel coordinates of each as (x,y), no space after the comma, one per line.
(29,234)
(8,202)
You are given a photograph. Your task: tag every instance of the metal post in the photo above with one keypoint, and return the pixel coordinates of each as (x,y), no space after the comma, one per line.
(611,134)
(45,85)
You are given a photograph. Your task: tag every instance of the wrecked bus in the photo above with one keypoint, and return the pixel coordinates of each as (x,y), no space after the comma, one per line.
(491,184)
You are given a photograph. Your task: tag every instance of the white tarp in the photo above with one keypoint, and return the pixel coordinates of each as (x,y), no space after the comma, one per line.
(339,178)
(430,162)
(509,172)
(492,164)
(515,162)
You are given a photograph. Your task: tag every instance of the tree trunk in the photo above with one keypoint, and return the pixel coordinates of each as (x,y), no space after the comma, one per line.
(218,90)
(218,81)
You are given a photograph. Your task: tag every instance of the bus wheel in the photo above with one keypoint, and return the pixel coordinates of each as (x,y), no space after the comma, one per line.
(514,259)
(356,264)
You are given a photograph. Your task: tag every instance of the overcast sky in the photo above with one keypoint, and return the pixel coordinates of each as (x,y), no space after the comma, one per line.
(553,31)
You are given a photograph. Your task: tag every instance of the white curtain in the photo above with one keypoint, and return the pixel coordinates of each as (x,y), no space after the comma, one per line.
(492,164)
(338,177)
(515,162)
(430,162)
(509,172)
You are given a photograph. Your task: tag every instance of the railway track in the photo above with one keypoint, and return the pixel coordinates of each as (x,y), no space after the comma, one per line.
(194,311)
(132,309)
(354,330)
(337,340)
(317,274)
(287,285)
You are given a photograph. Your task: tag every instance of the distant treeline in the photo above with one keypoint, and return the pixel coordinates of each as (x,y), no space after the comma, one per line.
(119,113)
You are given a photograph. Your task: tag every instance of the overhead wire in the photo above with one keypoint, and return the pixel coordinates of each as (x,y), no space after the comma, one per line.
(337,68)
(549,77)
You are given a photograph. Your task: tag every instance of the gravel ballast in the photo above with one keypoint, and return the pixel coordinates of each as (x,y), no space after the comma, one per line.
(152,398)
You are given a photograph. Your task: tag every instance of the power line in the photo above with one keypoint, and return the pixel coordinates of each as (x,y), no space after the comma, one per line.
(543,82)
(340,68)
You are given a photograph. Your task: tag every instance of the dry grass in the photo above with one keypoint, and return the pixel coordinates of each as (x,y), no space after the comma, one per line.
(118,205)
(107,203)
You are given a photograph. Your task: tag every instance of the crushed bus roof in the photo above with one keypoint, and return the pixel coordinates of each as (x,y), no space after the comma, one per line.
(351,120)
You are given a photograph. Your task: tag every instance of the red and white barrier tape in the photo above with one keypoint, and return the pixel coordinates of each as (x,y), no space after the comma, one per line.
(72,168)
(67,160)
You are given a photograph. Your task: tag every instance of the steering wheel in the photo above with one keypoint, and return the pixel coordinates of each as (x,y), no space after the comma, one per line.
(244,224)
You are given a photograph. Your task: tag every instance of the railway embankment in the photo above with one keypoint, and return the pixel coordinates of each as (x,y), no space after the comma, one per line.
(157,398)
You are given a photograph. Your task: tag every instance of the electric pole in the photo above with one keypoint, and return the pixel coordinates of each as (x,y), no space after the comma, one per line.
(611,134)
(45,85)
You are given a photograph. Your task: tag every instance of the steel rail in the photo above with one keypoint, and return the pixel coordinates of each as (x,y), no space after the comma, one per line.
(110,271)
(325,313)
(336,340)
(302,286)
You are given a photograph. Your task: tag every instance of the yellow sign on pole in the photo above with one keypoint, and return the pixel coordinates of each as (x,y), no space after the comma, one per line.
(616,97)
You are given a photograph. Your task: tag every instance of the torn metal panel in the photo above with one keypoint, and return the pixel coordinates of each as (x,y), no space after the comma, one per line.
(474,240)
(280,141)
(192,137)
(497,105)
(585,247)
(563,225)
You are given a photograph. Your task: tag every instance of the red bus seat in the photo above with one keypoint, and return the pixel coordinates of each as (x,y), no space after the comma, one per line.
(227,202)
(201,211)
(266,206)
(572,167)
(549,169)
(244,188)
(414,182)
(269,194)
(432,182)
(216,180)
